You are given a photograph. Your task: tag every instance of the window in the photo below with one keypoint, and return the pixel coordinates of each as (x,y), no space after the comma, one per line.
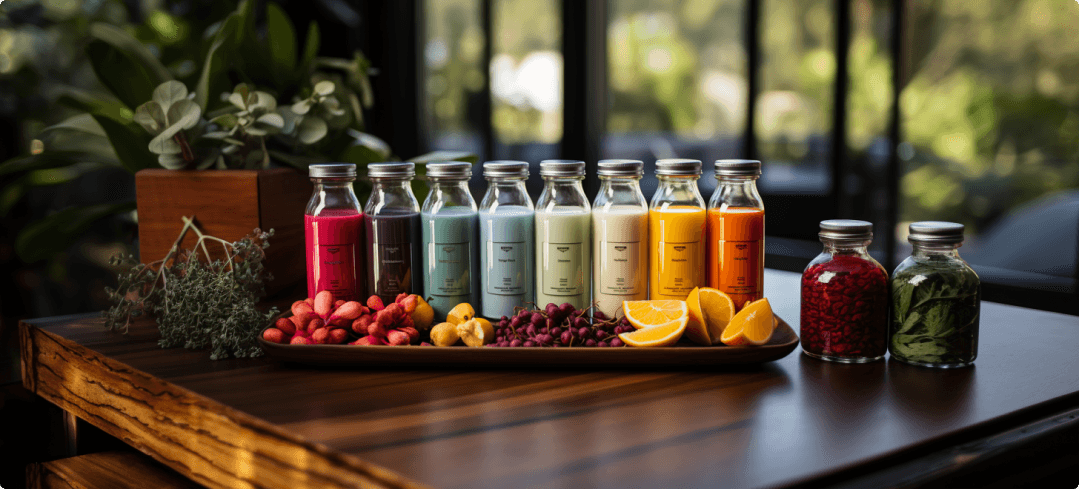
(884,110)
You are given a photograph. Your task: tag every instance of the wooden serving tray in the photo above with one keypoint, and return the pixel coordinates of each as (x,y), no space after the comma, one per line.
(783,341)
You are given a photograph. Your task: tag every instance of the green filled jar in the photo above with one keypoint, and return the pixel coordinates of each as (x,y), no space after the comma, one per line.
(935,300)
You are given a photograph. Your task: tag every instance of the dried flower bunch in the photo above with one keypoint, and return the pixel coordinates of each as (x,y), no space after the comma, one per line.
(198,303)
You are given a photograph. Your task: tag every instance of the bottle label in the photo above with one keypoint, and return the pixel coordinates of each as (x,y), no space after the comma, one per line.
(563,273)
(452,262)
(682,268)
(506,267)
(394,274)
(621,268)
(740,268)
(335,270)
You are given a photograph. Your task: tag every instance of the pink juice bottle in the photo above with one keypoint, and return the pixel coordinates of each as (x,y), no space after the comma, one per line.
(333,227)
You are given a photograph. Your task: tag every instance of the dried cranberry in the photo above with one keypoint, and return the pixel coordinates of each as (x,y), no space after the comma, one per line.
(845,309)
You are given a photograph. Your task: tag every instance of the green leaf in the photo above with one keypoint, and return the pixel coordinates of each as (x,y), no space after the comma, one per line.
(82,123)
(130,145)
(169,93)
(133,49)
(213,70)
(324,87)
(226,121)
(310,47)
(122,75)
(94,104)
(151,117)
(56,232)
(171,162)
(902,296)
(311,129)
(185,114)
(50,159)
(281,36)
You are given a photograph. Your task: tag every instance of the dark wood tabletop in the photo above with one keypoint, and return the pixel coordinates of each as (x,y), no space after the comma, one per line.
(795,421)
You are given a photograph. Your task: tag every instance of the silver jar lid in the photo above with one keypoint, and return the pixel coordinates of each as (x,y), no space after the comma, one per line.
(561,168)
(505,169)
(620,168)
(449,169)
(738,168)
(846,229)
(405,169)
(678,167)
(936,232)
(331,170)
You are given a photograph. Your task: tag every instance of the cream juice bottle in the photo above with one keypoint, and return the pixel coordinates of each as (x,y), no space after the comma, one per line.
(507,224)
(563,236)
(619,237)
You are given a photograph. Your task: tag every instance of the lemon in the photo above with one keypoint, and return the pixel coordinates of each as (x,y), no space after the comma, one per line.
(476,332)
(460,313)
(444,334)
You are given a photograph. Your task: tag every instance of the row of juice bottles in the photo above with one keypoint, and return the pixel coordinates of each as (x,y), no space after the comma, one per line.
(507,252)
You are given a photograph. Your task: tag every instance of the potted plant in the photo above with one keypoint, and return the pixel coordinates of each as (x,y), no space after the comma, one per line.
(259,105)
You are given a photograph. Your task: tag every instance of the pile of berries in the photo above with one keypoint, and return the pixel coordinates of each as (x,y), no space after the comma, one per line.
(559,326)
(321,320)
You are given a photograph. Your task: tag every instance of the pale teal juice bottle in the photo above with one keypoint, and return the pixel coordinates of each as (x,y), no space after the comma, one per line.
(507,224)
(563,236)
(449,228)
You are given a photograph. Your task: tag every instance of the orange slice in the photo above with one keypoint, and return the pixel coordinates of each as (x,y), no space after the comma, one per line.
(646,314)
(753,325)
(718,309)
(696,328)
(660,335)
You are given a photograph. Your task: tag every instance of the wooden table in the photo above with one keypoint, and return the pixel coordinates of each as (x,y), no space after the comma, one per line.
(253,423)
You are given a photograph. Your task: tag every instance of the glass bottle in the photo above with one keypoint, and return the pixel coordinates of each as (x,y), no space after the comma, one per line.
(736,232)
(936,300)
(449,223)
(392,224)
(507,223)
(676,229)
(563,236)
(333,232)
(845,297)
(619,237)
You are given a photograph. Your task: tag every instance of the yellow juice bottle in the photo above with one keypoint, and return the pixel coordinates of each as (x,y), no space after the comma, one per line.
(676,222)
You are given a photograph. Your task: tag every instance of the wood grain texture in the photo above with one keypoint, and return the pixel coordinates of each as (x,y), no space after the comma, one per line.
(205,441)
(228,204)
(791,422)
(105,470)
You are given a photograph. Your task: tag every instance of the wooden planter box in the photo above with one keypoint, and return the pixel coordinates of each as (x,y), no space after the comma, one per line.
(228,204)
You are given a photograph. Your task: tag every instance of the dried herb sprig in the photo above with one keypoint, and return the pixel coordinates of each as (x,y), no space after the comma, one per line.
(198,303)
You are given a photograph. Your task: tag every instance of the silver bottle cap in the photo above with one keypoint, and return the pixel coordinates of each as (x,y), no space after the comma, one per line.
(846,229)
(936,232)
(391,170)
(738,168)
(331,170)
(678,167)
(561,168)
(505,169)
(621,168)
(449,169)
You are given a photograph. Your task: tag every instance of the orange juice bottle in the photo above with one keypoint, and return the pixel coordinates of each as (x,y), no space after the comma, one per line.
(676,229)
(736,232)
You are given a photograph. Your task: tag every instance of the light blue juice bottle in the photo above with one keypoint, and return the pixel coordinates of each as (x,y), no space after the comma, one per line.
(507,224)
(450,254)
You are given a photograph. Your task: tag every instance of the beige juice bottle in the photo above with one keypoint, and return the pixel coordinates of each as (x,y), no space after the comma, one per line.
(619,237)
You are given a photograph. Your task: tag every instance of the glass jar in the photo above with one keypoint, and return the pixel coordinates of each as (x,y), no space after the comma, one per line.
(845,297)
(563,236)
(333,232)
(392,225)
(936,300)
(619,237)
(507,224)
(676,230)
(736,232)
(449,227)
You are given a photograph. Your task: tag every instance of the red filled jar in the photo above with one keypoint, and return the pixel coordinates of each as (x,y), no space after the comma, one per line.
(845,297)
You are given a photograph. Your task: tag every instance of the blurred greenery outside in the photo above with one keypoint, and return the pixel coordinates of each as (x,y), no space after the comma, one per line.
(989,108)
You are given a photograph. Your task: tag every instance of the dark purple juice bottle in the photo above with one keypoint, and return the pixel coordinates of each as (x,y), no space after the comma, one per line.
(392,225)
